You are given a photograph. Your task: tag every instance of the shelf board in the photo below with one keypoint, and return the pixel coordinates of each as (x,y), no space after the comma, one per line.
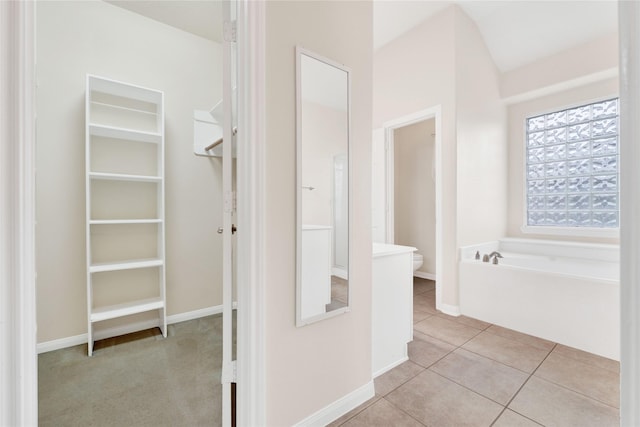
(125,265)
(126,309)
(124,133)
(124,221)
(124,177)
(122,89)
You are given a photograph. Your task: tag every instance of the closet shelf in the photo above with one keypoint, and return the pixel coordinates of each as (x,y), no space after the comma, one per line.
(124,133)
(126,309)
(124,177)
(125,265)
(124,127)
(124,221)
(123,108)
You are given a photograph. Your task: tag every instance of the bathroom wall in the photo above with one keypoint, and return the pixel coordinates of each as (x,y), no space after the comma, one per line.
(481,139)
(415,191)
(310,367)
(584,74)
(414,72)
(443,61)
(590,62)
(76,38)
(324,130)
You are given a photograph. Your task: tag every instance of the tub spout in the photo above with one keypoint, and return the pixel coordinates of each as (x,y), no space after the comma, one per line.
(496,254)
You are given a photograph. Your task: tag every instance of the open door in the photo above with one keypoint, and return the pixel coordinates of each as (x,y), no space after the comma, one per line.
(228,229)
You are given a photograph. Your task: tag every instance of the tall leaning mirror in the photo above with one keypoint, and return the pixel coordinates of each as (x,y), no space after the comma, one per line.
(322,185)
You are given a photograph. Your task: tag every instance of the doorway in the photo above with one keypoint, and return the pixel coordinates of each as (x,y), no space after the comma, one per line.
(107,40)
(434,175)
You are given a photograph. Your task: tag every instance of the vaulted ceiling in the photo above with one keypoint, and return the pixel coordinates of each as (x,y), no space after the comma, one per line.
(516,32)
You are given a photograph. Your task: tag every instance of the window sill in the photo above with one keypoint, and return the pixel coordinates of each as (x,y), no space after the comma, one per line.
(572,231)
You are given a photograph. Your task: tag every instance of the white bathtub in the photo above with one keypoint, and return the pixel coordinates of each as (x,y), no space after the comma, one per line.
(560,291)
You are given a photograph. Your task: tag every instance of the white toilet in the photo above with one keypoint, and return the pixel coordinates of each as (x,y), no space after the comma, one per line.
(417,261)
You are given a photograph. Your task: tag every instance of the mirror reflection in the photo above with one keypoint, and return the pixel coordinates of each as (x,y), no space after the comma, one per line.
(323,187)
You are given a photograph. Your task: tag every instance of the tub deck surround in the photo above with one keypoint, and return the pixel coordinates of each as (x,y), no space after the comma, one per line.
(560,291)
(392,313)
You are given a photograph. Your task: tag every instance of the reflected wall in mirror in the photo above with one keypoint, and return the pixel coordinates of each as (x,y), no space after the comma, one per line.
(322,185)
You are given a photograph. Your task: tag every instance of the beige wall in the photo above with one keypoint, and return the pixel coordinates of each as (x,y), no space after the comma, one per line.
(576,66)
(76,38)
(412,73)
(415,190)
(518,113)
(481,139)
(444,62)
(310,367)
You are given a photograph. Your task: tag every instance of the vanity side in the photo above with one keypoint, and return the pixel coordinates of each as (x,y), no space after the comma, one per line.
(392,313)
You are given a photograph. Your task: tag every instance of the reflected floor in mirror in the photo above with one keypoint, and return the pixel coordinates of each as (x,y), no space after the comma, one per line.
(339,293)
(137,379)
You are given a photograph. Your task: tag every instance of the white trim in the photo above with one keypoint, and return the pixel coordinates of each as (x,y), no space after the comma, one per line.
(18,357)
(424,275)
(58,344)
(389,127)
(340,407)
(251,396)
(196,314)
(569,231)
(561,87)
(391,366)
(629,25)
(451,310)
(389,190)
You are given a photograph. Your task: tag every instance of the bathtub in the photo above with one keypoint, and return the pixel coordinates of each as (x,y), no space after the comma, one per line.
(564,292)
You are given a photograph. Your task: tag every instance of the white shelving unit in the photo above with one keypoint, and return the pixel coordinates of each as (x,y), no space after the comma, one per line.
(125,225)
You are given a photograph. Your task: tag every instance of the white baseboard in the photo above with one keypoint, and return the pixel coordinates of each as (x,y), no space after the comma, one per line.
(52,345)
(195,314)
(61,343)
(340,407)
(451,310)
(423,275)
(390,367)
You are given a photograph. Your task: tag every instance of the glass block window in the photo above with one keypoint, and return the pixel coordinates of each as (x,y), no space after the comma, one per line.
(572,167)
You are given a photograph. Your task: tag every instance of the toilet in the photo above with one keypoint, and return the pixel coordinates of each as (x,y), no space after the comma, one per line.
(417,261)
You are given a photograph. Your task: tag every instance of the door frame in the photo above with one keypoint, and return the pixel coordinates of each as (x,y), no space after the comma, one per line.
(18,354)
(18,337)
(251,140)
(629,72)
(389,129)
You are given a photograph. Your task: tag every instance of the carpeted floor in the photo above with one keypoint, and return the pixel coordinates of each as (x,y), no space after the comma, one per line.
(139,379)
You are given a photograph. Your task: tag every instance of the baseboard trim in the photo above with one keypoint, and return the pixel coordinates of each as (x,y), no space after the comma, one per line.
(61,343)
(451,310)
(340,407)
(195,314)
(58,344)
(390,367)
(423,275)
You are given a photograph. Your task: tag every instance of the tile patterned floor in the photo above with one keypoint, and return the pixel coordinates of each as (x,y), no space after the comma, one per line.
(464,372)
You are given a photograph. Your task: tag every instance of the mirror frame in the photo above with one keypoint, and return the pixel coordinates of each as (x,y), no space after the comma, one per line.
(299,51)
